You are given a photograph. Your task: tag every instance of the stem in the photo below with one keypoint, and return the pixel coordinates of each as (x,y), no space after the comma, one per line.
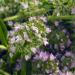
(69,17)
(12,18)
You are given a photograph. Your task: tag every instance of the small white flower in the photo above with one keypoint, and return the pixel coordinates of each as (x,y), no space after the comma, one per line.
(69,73)
(2,9)
(27,57)
(12,49)
(48,30)
(11,55)
(11,33)
(38,35)
(45,41)
(58,14)
(24,5)
(34,50)
(26,37)
(52,57)
(43,18)
(12,40)
(18,38)
(27,27)
(35,29)
(56,23)
(10,23)
(36,2)
(32,18)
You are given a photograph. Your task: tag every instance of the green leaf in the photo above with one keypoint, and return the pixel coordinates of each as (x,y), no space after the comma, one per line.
(3,33)
(3,73)
(2,47)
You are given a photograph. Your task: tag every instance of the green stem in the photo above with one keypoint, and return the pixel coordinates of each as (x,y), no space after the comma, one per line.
(11,18)
(69,17)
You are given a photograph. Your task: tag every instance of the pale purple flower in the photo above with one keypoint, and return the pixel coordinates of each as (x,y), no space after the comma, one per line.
(18,27)
(43,56)
(73,10)
(18,66)
(68,54)
(68,42)
(36,57)
(73,64)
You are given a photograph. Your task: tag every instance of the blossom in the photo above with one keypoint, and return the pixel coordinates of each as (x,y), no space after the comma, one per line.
(69,73)
(32,18)
(18,27)
(24,5)
(52,57)
(44,19)
(18,38)
(45,41)
(48,30)
(43,56)
(12,40)
(33,49)
(10,23)
(68,54)
(12,49)
(35,29)
(26,37)
(27,57)
(73,11)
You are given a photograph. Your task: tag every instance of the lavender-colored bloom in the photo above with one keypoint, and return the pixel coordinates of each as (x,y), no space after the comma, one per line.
(68,42)
(68,54)
(73,64)
(18,27)
(18,66)
(43,56)
(73,11)
(36,57)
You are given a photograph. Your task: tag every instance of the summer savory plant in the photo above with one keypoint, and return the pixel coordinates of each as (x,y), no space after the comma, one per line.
(37,37)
